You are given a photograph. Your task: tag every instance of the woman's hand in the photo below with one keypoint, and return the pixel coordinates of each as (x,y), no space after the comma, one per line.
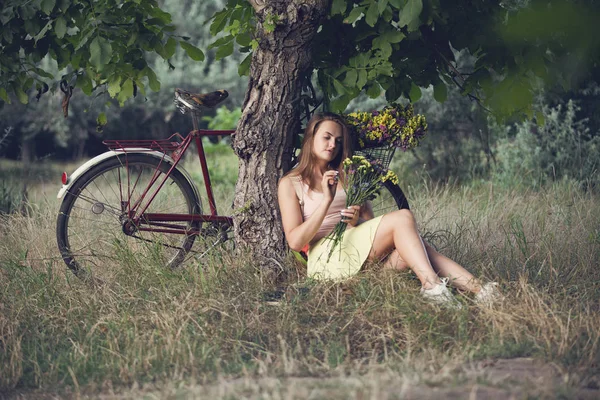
(350,215)
(329,184)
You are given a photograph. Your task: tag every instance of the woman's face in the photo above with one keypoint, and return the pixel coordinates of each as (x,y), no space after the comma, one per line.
(327,141)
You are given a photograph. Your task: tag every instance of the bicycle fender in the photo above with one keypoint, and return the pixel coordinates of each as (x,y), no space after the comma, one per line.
(113,153)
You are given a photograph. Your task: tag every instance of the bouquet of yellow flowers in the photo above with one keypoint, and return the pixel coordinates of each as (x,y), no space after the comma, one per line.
(394,126)
(361,180)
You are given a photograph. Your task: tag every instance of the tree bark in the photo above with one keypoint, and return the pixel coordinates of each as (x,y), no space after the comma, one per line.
(270,118)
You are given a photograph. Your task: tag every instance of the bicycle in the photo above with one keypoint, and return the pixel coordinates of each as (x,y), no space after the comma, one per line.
(135,200)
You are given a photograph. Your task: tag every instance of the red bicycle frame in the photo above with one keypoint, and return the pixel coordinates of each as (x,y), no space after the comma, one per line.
(160,222)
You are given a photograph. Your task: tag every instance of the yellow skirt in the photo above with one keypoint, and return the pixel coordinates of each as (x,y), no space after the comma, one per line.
(347,260)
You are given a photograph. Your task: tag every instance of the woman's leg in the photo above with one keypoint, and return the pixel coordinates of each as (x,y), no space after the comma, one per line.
(398,230)
(458,275)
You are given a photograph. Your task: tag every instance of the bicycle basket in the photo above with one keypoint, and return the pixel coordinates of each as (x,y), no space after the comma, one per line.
(383,154)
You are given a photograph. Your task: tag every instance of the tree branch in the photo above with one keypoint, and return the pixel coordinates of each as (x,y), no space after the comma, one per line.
(258,5)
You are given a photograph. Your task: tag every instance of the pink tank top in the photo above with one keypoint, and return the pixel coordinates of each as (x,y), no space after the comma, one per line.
(310,201)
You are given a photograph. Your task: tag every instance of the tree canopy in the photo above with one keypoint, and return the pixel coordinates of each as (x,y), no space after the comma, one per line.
(401,46)
(101,44)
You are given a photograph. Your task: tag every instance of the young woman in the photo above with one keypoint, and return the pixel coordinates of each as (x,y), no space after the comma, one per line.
(312,201)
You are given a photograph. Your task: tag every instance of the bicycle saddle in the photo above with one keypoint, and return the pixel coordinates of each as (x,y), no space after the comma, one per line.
(197,101)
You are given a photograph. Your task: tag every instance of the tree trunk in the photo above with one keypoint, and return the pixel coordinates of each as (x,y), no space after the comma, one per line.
(270,118)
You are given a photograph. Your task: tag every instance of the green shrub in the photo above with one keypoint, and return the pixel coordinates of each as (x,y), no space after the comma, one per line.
(562,148)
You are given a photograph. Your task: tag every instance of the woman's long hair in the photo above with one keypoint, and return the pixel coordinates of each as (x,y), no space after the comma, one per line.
(307,159)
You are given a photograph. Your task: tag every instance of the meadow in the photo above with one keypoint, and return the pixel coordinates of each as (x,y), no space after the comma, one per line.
(206,330)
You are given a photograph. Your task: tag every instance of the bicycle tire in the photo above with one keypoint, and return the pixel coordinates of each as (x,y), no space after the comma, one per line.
(93,200)
(390,198)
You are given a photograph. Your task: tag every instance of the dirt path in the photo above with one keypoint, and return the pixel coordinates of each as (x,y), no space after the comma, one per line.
(517,378)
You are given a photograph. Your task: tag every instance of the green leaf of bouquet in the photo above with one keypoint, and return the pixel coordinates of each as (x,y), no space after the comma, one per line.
(415,93)
(192,51)
(60,27)
(410,12)
(440,92)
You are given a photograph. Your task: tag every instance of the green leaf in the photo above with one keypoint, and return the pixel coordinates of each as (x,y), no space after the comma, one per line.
(354,15)
(384,45)
(114,86)
(440,92)
(126,91)
(170,47)
(42,32)
(152,80)
(339,87)
(339,105)
(394,36)
(224,51)
(245,65)
(85,83)
(60,27)
(243,39)
(338,7)
(362,78)
(100,52)
(220,42)
(372,15)
(415,93)
(219,21)
(192,51)
(64,5)
(351,77)
(398,4)
(410,12)
(4,95)
(382,5)
(374,90)
(21,95)
(101,122)
(47,6)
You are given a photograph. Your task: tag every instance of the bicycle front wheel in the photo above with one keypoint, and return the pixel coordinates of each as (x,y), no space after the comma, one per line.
(390,198)
(95,236)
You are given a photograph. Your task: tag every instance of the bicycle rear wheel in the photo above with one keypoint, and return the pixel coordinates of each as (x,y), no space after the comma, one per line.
(93,232)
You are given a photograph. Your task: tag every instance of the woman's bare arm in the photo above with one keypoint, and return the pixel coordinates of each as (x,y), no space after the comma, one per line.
(298,233)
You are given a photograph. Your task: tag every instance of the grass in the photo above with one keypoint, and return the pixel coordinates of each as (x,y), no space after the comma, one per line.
(183,333)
